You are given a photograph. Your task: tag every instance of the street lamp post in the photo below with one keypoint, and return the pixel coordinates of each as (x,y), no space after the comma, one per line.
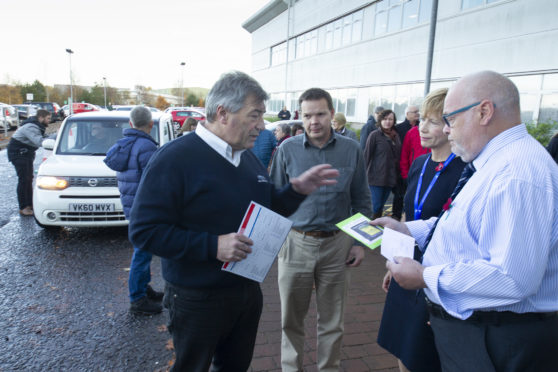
(70,52)
(182,81)
(105,89)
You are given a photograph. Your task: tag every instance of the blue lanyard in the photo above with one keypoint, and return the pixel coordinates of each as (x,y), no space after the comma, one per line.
(418,207)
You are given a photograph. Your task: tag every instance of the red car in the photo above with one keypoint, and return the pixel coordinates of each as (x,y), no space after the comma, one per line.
(180,114)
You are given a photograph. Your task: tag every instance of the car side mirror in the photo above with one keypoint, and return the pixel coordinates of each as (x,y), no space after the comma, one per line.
(48,144)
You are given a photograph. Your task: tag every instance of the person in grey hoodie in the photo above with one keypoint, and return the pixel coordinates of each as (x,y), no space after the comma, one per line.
(129,157)
(21,153)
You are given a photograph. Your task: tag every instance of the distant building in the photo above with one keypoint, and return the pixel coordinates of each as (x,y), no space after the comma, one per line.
(369,53)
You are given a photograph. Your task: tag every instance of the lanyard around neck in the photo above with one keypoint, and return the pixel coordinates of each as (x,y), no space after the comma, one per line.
(418,206)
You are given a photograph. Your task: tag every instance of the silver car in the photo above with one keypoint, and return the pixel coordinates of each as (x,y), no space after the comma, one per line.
(9,115)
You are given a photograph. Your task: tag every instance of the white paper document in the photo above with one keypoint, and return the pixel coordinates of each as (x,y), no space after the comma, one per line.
(395,244)
(268,230)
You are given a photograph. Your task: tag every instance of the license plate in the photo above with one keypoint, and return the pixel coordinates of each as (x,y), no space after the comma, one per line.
(91,207)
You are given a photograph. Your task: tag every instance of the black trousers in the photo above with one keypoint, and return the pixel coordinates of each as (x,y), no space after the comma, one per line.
(214,327)
(398,195)
(524,346)
(24,170)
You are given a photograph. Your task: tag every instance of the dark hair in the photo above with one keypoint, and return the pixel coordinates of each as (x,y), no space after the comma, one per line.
(190,122)
(382,115)
(43,113)
(295,128)
(316,94)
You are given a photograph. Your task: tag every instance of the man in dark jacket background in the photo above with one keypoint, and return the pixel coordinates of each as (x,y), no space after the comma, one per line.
(129,157)
(21,153)
(369,127)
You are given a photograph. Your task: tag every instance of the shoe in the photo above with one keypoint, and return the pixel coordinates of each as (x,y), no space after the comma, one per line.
(27,211)
(153,294)
(145,306)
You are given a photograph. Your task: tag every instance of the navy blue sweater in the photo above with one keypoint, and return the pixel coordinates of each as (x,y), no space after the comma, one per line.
(188,196)
(129,156)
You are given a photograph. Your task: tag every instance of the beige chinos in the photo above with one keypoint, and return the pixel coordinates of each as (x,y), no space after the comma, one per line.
(305,261)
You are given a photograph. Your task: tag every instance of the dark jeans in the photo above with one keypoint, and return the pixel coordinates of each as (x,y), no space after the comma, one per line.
(379,197)
(213,327)
(504,347)
(24,170)
(398,196)
(140,274)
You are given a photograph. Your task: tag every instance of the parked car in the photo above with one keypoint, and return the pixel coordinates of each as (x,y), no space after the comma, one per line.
(74,187)
(49,106)
(26,111)
(79,107)
(130,107)
(180,114)
(9,115)
(272,126)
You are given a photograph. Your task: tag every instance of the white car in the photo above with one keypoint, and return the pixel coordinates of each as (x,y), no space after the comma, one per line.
(74,187)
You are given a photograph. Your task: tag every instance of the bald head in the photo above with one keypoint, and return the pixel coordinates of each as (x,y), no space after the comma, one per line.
(483,105)
(495,87)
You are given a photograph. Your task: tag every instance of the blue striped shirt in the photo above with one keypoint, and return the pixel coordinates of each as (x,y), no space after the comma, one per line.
(496,248)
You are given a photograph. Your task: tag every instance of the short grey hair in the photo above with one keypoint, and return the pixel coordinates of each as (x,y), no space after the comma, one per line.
(140,116)
(285,128)
(230,91)
(378,109)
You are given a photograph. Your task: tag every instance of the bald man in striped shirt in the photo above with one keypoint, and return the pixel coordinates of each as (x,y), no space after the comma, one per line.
(490,269)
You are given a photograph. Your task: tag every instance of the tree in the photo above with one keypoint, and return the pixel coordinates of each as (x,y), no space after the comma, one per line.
(144,95)
(201,102)
(10,94)
(161,103)
(38,90)
(191,100)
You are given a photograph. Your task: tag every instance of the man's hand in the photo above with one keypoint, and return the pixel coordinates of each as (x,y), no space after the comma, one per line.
(233,247)
(407,272)
(355,257)
(318,175)
(386,281)
(392,224)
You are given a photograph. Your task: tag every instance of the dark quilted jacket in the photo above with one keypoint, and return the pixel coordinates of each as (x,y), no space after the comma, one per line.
(129,157)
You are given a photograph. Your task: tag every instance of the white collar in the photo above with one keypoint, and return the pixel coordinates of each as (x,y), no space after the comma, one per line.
(217,144)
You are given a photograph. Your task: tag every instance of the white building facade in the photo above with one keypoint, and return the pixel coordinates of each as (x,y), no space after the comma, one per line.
(370,53)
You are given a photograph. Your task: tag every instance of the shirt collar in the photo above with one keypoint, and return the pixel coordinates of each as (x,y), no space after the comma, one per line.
(497,143)
(331,140)
(219,145)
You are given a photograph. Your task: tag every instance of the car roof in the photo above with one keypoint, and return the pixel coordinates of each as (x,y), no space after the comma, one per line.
(110,115)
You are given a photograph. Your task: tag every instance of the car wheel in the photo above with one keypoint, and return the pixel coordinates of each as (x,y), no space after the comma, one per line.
(48,228)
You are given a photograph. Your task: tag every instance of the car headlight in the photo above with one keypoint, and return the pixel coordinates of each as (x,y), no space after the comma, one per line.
(52,183)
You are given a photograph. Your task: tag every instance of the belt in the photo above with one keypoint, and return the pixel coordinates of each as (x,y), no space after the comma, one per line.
(489,317)
(318,233)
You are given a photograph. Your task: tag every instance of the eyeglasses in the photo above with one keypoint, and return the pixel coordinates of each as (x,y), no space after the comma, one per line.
(463,109)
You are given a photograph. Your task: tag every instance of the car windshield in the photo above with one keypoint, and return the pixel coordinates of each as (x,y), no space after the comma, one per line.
(44,106)
(94,137)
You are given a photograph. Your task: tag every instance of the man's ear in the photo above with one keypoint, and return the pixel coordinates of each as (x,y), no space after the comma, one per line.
(151,123)
(221,115)
(486,112)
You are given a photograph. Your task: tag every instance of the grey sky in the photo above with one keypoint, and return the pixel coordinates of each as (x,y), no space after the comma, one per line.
(128,42)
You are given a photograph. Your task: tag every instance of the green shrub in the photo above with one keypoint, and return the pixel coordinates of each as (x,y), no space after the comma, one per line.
(542,131)
(271,119)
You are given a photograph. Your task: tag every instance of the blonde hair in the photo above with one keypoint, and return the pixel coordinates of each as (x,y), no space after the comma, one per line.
(434,103)
(340,118)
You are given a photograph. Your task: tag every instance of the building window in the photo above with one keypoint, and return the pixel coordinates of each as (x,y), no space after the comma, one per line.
(279,54)
(395,15)
(343,31)
(467,4)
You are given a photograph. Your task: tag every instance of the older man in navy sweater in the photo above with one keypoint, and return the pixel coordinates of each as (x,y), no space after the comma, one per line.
(191,200)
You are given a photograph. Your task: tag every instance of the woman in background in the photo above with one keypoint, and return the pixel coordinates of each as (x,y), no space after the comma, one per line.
(382,152)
